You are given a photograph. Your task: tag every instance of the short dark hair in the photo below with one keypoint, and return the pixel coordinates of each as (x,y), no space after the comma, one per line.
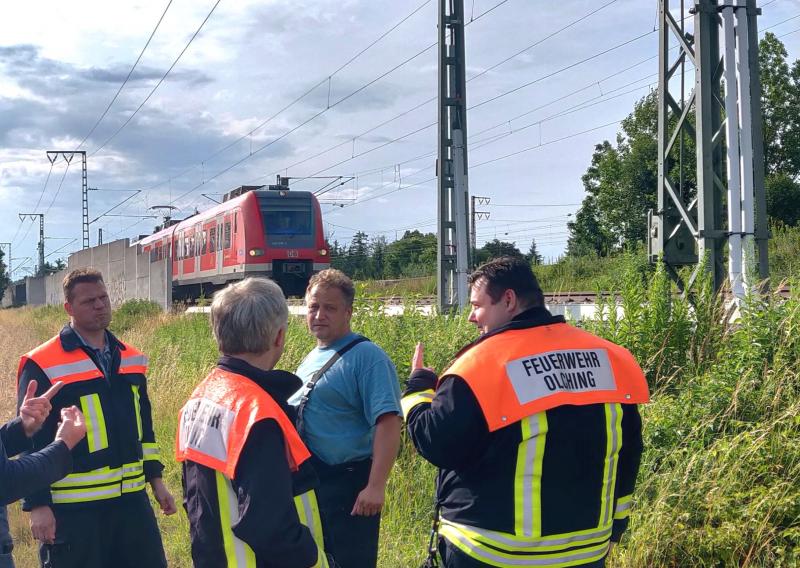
(333,278)
(79,276)
(508,273)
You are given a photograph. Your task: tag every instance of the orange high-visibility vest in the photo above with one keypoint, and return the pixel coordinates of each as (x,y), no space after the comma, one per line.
(517,373)
(74,366)
(214,424)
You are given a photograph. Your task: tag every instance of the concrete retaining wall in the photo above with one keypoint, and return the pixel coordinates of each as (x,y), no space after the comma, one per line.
(127,272)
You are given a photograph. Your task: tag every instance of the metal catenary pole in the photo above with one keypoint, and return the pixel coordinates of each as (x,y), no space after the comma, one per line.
(692,225)
(53,155)
(453,186)
(33,217)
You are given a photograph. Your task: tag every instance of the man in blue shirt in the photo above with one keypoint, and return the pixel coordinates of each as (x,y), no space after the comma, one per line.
(349,417)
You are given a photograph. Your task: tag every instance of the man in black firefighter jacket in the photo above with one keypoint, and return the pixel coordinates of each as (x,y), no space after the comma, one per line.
(535,430)
(40,469)
(99,515)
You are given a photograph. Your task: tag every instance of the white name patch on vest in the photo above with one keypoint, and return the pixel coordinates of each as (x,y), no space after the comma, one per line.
(563,371)
(205,427)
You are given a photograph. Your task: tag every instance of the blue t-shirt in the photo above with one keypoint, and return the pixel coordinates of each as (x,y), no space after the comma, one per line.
(339,418)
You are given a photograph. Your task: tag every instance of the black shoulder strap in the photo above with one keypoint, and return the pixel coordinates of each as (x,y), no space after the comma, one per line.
(309,386)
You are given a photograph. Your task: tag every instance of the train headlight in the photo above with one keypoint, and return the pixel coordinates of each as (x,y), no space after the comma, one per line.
(256,252)
(322,252)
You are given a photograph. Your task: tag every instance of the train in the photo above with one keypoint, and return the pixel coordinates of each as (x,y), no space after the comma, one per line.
(255,231)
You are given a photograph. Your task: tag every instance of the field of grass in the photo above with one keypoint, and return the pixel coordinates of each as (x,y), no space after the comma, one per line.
(719,480)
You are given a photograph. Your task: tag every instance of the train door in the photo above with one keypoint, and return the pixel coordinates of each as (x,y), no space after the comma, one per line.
(188,263)
(219,250)
(229,251)
(207,248)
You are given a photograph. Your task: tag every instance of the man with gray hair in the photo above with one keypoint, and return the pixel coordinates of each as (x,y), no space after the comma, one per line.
(247,483)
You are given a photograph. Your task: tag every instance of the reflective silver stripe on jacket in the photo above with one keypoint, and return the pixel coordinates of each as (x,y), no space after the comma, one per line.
(57,371)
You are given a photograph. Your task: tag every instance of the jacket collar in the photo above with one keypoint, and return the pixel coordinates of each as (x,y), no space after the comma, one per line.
(71,341)
(532,317)
(280,385)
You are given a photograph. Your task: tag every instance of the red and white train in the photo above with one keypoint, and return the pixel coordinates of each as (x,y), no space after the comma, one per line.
(254,232)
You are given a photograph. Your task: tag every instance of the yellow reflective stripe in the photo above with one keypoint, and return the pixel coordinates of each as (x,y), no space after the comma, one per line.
(137,409)
(528,476)
(308,512)
(513,543)
(87,494)
(96,435)
(412,400)
(623,507)
(150,451)
(100,476)
(238,553)
(505,559)
(613,412)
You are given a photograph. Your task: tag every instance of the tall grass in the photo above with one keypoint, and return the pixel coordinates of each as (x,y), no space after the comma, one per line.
(718,484)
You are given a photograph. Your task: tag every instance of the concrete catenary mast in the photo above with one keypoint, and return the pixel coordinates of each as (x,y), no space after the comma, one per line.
(453,188)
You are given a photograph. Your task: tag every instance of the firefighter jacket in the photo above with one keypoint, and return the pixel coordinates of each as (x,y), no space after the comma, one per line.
(119,454)
(537,437)
(248,486)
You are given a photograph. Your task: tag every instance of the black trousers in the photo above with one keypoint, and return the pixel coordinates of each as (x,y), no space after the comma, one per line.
(351,540)
(119,533)
(452,557)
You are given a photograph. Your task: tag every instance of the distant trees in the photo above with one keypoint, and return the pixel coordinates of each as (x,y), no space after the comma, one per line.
(4,279)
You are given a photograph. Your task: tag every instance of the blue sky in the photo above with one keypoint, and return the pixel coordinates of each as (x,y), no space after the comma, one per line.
(61,64)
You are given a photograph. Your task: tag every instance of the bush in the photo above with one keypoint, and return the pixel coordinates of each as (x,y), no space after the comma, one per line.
(132,313)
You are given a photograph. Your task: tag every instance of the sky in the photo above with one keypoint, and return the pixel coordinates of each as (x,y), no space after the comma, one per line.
(312,88)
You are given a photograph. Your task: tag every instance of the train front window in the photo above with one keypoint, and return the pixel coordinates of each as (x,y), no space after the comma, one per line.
(285,222)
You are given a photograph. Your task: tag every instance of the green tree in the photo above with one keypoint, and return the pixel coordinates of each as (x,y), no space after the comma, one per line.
(495,249)
(55,266)
(783,199)
(4,279)
(412,255)
(780,102)
(377,248)
(533,255)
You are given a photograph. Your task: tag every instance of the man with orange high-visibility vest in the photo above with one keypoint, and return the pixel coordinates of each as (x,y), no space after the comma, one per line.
(248,486)
(99,515)
(535,430)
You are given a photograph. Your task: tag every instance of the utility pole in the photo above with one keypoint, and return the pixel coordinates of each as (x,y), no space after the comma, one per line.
(691,225)
(451,168)
(8,264)
(99,236)
(32,217)
(476,215)
(53,155)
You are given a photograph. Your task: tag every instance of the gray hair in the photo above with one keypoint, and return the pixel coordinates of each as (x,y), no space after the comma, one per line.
(246,316)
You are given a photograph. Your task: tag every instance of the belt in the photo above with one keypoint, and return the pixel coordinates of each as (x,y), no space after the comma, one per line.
(325,470)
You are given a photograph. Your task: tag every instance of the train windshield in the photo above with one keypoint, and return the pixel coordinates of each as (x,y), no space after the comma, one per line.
(288,220)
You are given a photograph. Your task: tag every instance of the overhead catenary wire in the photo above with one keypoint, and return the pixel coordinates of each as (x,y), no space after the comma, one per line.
(314,117)
(161,80)
(125,82)
(431,99)
(299,98)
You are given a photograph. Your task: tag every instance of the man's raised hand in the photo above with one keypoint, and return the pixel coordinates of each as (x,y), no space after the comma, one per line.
(34,409)
(417,361)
